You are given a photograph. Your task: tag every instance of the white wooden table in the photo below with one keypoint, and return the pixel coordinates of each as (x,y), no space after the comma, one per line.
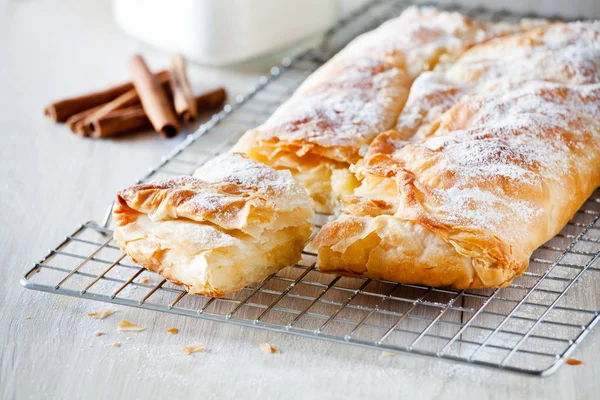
(50,181)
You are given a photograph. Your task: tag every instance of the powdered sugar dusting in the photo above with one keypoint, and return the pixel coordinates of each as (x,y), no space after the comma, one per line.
(563,53)
(482,208)
(515,133)
(238,186)
(419,35)
(240,170)
(230,191)
(518,136)
(566,53)
(485,158)
(497,133)
(343,117)
(235,168)
(430,96)
(361,91)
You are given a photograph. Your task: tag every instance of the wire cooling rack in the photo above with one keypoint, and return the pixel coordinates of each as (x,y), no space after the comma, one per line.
(531,326)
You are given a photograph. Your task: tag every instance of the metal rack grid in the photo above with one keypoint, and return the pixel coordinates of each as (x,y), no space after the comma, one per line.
(531,326)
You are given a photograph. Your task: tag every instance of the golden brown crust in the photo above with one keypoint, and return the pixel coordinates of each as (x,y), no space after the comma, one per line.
(235,224)
(146,251)
(492,157)
(387,248)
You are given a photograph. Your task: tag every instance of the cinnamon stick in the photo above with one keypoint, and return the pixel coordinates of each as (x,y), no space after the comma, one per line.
(75,122)
(118,122)
(211,99)
(79,123)
(183,97)
(61,110)
(79,127)
(134,118)
(153,98)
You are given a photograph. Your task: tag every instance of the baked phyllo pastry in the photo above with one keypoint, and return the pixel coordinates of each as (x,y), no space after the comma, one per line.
(236,221)
(491,158)
(335,114)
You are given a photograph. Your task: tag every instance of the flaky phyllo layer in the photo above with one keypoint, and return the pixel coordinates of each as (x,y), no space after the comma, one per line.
(490,158)
(235,222)
(334,115)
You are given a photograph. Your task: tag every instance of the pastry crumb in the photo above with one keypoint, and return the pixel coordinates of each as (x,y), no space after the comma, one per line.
(173,331)
(103,313)
(193,348)
(388,354)
(144,279)
(90,346)
(126,326)
(117,344)
(574,361)
(269,349)
(98,333)
(28,317)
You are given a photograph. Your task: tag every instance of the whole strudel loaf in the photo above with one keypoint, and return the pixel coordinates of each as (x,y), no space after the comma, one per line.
(451,155)
(491,157)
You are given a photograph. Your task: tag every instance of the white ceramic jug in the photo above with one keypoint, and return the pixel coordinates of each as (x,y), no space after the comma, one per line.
(224,31)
